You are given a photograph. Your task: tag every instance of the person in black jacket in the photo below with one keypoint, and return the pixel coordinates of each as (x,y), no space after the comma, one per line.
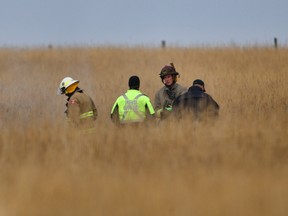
(196,103)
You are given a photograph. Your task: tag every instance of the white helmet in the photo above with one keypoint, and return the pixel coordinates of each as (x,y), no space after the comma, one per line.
(65,83)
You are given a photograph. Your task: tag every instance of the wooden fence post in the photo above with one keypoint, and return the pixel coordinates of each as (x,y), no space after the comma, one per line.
(275,43)
(163,44)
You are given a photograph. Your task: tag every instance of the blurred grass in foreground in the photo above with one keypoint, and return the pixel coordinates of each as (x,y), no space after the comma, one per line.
(237,166)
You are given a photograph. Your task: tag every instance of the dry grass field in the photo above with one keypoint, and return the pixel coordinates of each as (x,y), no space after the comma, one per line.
(236,166)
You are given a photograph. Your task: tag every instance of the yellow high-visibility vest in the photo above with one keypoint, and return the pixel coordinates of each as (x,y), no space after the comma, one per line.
(132,106)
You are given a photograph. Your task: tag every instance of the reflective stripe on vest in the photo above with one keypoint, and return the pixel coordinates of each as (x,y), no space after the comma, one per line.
(131,105)
(87,114)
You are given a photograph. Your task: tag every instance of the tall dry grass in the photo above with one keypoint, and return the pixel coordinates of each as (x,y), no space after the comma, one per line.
(236,166)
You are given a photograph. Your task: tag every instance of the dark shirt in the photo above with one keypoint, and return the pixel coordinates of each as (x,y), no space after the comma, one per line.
(195,103)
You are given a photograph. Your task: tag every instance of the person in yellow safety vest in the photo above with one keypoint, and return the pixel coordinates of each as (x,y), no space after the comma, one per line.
(81,111)
(165,96)
(133,106)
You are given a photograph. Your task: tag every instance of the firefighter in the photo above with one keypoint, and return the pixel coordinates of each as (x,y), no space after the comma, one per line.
(196,103)
(81,111)
(133,107)
(165,96)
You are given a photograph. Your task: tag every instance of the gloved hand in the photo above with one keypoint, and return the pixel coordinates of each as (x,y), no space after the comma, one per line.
(158,113)
(169,108)
(166,112)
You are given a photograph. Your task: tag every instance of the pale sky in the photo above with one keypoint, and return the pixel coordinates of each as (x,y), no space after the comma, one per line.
(143,22)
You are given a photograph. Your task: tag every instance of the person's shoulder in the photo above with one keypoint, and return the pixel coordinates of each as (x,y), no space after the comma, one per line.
(145,96)
(142,95)
(121,97)
(207,95)
(161,89)
(75,95)
(182,88)
(81,95)
(183,95)
(84,94)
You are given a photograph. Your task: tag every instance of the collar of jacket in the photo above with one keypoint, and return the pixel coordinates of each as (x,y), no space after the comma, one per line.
(133,90)
(171,88)
(195,88)
(71,94)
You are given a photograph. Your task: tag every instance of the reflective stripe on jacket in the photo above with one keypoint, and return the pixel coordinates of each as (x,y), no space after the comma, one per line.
(87,114)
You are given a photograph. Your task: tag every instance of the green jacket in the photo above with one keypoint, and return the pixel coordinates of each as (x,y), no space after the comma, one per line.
(133,106)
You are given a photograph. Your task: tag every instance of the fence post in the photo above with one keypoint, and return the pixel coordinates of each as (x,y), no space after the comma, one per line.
(163,44)
(275,43)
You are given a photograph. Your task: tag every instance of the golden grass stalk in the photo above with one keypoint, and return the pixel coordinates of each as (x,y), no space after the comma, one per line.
(236,166)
